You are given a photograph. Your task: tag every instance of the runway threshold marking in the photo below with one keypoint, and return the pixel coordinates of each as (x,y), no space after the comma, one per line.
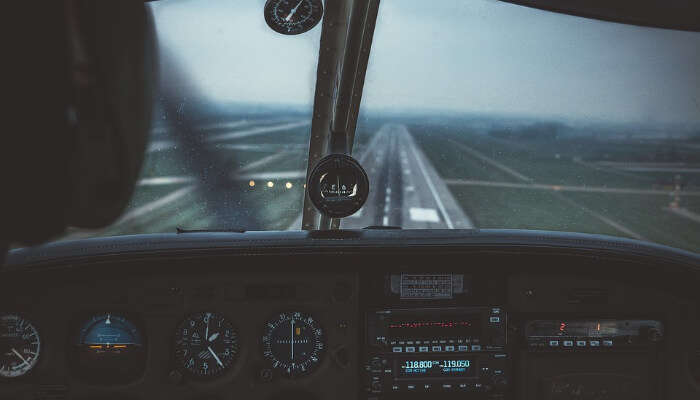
(423,214)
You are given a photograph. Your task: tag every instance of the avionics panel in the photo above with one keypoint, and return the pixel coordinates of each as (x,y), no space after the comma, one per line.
(437,350)
(437,330)
(592,334)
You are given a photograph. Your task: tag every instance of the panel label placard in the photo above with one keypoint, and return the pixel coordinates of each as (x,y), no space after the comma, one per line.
(427,286)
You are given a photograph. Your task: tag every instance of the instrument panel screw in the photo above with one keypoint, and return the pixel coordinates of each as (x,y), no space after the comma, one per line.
(265,375)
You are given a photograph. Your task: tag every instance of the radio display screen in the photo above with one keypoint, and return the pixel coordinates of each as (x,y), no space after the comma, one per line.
(435,367)
(428,327)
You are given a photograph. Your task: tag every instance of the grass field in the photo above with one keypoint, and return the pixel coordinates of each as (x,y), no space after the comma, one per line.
(466,153)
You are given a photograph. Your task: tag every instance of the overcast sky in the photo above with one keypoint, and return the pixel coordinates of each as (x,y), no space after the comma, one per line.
(472,56)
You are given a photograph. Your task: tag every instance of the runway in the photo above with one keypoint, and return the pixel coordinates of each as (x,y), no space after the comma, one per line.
(405,189)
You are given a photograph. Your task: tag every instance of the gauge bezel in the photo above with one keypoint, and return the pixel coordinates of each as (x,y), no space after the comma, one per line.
(40,358)
(175,360)
(333,162)
(72,347)
(314,367)
(270,20)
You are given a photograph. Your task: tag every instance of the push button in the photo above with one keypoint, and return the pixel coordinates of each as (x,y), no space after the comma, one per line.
(476,347)
(410,349)
(553,343)
(568,343)
(462,348)
(580,343)
(595,343)
(449,348)
(397,349)
(437,348)
(423,349)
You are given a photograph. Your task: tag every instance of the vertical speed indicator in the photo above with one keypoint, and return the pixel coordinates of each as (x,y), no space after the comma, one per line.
(293,343)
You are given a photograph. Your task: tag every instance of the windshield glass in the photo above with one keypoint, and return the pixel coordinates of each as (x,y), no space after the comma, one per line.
(475,114)
(491,115)
(230,137)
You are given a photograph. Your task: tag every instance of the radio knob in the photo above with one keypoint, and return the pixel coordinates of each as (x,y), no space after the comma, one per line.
(654,335)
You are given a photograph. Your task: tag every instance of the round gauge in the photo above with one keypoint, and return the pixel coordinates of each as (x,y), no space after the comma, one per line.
(206,344)
(292,17)
(19,346)
(109,348)
(338,186)
(294,343)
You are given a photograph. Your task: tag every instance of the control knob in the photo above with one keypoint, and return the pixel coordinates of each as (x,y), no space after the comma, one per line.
(652,334)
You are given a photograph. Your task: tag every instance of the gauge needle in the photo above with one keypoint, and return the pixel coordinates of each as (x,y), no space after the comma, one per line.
(215,357)
(294,10)
(292,339)
(20,356)
(206,333)
(214,336)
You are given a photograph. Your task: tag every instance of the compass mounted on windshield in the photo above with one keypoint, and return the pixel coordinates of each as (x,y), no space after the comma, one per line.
(338,186)
(292,17)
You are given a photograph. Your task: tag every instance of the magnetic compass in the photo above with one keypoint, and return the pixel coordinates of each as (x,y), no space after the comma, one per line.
(338,186)
(292,17)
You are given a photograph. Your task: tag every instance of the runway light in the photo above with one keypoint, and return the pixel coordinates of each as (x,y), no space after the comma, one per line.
(270,184)
(251,183)
(288,185)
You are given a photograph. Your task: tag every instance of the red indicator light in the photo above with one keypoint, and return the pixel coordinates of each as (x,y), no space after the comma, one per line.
(562,326)
(425,324)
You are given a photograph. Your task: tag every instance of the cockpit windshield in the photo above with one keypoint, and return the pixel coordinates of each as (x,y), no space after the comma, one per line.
(475,114)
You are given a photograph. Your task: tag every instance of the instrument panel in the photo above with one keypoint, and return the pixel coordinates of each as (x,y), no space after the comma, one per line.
(317,332)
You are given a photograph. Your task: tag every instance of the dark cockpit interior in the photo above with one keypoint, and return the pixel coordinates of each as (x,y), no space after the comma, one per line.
(160,240)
